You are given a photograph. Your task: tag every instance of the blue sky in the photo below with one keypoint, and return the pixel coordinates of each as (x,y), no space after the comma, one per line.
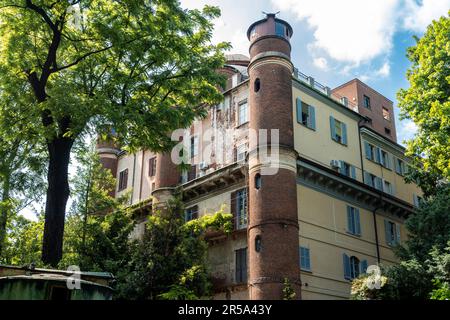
(337,40)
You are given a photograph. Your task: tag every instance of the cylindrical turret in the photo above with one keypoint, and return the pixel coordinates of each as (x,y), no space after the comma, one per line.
(167,177)
(273,238)
(108,153)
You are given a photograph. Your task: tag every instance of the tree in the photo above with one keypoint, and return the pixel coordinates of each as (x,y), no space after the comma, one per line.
(143,68)
(426,102)
(171,261)
(21,164)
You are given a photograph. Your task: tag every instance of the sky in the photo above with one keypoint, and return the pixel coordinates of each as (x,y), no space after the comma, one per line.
(335,41)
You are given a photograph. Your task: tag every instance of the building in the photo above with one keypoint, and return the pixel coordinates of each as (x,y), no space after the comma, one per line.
(335,205)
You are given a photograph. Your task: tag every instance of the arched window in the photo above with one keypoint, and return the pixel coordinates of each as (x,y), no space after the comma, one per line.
(257,85)
(354,267)
(257,181)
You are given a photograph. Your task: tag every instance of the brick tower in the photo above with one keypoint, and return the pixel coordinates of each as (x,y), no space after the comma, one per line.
(167,178)
(273,231)
(108,152)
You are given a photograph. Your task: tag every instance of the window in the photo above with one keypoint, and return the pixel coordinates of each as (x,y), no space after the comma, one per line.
(234,80)
(392,231)
(385,160)
(191,214)
(253,33)
(306,115)
(371,151)
(353,221)
(347,169)
(280,29)
(305,260)
(366,102)
(123,179)
(386,114)
(257,85)
(353,267)
(257,181)
(399,166)
(377,155)
(243,113)
(241,216)
(373,181)
(417,200)
(241,266)
(241,152)
(387,131)
(338,131)
(258,243)
(152,167)
(387,187)
(194,146)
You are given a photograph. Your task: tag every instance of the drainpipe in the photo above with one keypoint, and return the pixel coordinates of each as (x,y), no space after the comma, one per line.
(142,175)
(377,244)
(132,181)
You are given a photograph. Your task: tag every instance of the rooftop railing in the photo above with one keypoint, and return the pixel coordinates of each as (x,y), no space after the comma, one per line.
(310,81)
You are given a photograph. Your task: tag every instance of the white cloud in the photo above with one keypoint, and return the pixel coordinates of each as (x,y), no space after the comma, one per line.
(419,16)
(384,71)
(321,63)
(351,31)
(406,129)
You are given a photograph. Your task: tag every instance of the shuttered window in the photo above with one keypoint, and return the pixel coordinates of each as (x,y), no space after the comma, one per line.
(191,214)
(353,221)
(353,267)
(123,179)
(392,232)
(338,131)
(305,260)
(306,115)
(152,167)
(241,266)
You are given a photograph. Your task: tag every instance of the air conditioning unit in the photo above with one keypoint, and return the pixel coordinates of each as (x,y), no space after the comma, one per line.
(203,166)
(335,164)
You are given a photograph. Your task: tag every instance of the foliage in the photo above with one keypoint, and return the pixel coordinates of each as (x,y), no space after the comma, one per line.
(427,103)
(288,291)
(23,242)
(171,255)
(428,226)
(143,68)
(361,290)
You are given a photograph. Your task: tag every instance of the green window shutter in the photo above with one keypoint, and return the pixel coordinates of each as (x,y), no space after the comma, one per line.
(312,117)
(353,172)
(344,133)
(357,222)
(387,232)
(390,159)
(368,150)
(377,155)
(397,235)
(347,272)
(341,167)
(333,128)
(398,169)
(379,184)
(350,224)
(367,179)
(415,200)
(363,266)
(299,110)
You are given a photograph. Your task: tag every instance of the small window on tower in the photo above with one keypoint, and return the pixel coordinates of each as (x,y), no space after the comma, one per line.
(257,85)
(279,29)
(386,114)
(257,181)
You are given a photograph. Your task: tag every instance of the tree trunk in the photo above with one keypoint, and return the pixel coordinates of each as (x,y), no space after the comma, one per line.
(57,196)
(4,208)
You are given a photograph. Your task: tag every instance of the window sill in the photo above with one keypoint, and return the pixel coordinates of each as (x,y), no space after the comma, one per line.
(353,234)
(306,270)
(342,144)
(242,124)
(305,126)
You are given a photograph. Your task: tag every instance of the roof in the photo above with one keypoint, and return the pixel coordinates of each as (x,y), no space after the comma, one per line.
(237,57)
(105,275)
